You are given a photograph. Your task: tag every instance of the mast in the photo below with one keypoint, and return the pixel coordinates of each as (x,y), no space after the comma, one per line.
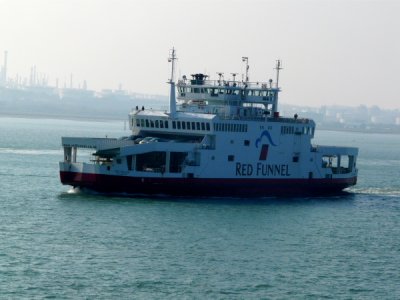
(172,97)
(277,68)
(246,59)
(275,104)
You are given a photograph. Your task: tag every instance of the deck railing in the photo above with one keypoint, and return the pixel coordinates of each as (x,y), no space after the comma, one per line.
(225,84)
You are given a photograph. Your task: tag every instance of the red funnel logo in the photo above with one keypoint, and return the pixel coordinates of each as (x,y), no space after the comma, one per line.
(264,152)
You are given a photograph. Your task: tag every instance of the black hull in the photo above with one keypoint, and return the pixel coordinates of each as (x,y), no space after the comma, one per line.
(206,187)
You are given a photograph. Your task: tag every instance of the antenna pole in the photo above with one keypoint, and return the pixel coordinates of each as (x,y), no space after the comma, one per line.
(172,59)
(275,103)
(246,60)
(277,68)
(172,98)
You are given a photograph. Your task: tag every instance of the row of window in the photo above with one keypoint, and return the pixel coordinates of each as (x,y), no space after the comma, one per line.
(216,91)
(146,123)
(293,130)
(287,130)
(230,127)
(190,125)
(204,126)
(151,123)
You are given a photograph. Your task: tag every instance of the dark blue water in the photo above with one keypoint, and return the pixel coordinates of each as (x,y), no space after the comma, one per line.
(64,245)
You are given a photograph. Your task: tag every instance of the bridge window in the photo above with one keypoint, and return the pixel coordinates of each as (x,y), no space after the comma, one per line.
(188,125)
(137,123)
(161,124)
(178,123)
(147,123)
(141,122)
(203,126)
(173,124)
(183,125)
(156,123)
(287,129)
(198,125)
(208,126)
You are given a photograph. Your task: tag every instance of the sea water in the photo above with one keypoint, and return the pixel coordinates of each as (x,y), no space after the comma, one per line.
(63,244)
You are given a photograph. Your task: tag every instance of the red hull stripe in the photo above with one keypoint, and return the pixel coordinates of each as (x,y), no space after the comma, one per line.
(206,186)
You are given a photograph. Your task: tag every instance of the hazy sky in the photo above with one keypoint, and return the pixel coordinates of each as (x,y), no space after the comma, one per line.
(333,52)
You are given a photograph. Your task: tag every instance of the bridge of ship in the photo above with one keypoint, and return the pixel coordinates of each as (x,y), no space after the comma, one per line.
(199,88)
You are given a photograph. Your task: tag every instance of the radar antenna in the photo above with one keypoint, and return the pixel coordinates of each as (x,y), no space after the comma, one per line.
(221,76)
(234,76)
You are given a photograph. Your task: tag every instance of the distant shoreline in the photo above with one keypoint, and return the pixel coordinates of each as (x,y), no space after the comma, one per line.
(320,127)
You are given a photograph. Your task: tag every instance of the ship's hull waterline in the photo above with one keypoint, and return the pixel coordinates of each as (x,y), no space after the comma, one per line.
(203,187)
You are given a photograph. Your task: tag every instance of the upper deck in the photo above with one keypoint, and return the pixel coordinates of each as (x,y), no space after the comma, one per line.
(230,98)
(201,91)
(203,102)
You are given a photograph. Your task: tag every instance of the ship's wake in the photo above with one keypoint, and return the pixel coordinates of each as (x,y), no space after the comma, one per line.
(378,191)
(30,151)
(74,190)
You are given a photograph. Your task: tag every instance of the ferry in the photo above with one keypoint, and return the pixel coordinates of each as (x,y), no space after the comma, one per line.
(222,138)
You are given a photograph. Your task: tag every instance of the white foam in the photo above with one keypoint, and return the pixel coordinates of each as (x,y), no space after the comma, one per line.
(376,191)
(73,190)
(30,151)
(36,152)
